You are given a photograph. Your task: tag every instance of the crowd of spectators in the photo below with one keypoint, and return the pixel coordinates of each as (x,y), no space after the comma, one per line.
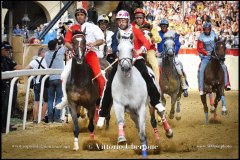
(187,17)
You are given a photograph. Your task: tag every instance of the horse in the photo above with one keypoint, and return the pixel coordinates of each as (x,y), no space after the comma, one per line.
(214,81)
(82,89)
(129,91)
(169,80)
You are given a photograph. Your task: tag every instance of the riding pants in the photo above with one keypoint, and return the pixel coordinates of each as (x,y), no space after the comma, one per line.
(92,60)
(151,87)
(152,60)
(226,75)
(203,65)
(180,71)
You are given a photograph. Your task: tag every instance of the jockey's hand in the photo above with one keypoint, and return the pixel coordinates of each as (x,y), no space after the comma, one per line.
(109,51)
(138,52)
(90,45)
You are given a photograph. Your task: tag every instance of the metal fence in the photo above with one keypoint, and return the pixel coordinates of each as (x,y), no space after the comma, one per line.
(14,75)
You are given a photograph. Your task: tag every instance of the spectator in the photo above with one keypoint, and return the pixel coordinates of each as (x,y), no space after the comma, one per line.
(39,63)
(55,84)
(7,64)
(17,31)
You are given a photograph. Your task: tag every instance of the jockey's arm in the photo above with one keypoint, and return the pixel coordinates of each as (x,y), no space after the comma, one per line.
(69,45)
(177,43)
(200,47)
(98,42)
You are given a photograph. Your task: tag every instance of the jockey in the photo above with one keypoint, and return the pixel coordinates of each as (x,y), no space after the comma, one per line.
(205,46)
(94,38)
(140,22)
(105,49)
(141,45)
(164,31)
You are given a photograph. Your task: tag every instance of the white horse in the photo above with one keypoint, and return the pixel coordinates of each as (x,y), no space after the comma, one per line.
(129,92)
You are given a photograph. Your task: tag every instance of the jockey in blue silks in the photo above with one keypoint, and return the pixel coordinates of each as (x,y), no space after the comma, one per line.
(164,31)
(205,46)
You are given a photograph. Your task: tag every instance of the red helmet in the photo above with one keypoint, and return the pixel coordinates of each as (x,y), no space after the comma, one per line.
(140,10)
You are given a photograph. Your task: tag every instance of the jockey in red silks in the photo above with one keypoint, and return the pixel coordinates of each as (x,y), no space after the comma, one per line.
(141,45)
(94,38)
(205,46)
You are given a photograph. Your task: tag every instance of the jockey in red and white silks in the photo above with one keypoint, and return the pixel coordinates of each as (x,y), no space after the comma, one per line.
(94,38)
(205,46)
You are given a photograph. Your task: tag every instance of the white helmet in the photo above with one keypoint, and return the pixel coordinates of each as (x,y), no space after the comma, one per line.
(123,14)
(103,17)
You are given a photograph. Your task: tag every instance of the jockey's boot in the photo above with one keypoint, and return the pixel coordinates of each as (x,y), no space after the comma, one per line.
(62,104)
(184,86)
(159,107)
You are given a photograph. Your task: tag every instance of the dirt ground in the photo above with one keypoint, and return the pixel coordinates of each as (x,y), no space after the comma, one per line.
(192,137)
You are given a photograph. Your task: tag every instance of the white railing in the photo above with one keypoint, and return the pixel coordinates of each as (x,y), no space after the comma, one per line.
(32,73)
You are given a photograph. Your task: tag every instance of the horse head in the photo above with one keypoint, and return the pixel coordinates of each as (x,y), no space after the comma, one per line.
(79,45)
(169,48)
(219,50)
(125,48)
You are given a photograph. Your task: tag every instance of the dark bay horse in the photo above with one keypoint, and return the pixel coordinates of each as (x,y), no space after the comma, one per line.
(169,80)
(81,89)
(214,81)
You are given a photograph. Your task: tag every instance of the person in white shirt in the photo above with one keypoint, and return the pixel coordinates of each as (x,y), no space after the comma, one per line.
(39,63)
(105,49)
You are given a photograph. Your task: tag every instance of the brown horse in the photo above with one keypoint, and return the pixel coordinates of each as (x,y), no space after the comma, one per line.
(214,81)
(82,89)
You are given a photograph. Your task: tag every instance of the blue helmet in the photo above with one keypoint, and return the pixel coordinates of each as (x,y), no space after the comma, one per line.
(164,21)
(207,25)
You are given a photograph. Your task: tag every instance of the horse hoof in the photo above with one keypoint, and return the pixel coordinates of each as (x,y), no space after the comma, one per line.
(212,109)
(171,116)
(224,113)
(169,133)
(76,147)
(121,140)
(178,118)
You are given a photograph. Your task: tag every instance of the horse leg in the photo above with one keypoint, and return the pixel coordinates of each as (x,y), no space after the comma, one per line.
(154,122)
(178,116)
(142,125)
(212,109)
(205,107)
(224,107)
(166,126)
(163,101)
(76,127)
(173,102)
(108,117)
(91,113)
(119,111)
